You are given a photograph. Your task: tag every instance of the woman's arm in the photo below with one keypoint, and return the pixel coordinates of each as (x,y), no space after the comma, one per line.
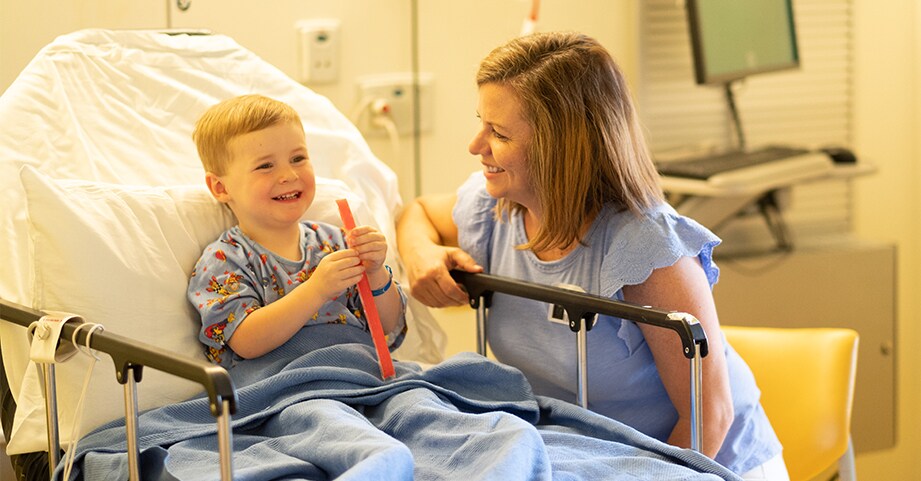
(427,240)
(683,287)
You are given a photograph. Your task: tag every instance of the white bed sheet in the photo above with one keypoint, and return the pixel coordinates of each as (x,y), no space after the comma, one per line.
(116,108)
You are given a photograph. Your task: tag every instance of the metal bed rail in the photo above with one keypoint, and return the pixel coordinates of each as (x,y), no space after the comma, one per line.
(130,357)
(581,309)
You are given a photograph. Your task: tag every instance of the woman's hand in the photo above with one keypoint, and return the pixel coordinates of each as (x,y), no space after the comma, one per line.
(427,239)
(429,279)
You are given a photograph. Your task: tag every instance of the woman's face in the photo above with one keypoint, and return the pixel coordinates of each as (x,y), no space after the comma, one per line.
(502,144)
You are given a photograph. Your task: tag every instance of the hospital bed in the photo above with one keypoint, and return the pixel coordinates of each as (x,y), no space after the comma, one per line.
(105,213)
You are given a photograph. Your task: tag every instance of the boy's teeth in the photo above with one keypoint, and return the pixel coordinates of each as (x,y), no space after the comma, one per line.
(287,196)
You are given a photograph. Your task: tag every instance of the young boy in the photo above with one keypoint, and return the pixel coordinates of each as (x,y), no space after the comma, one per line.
(273,274)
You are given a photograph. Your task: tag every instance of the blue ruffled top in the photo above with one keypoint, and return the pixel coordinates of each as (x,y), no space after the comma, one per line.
(620,249)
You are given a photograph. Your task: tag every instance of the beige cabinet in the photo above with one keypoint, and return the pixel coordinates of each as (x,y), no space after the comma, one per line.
(836,284)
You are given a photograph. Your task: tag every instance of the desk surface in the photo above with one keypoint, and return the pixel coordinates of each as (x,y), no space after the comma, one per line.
(716,200)
(755,180)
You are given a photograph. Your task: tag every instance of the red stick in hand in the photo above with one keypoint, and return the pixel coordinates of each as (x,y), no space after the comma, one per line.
(367,301)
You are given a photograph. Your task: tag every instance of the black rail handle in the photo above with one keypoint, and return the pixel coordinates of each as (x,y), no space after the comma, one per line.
(582,306)
(129,354)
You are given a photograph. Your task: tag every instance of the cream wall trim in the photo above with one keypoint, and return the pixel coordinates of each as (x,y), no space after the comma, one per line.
(888,206)
(26,27)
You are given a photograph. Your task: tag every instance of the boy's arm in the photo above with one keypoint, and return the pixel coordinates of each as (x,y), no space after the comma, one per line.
(222,293)
(272,325)
(389,304)
(371,246)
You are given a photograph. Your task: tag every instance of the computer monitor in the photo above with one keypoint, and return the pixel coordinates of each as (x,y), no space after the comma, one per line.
(733,39)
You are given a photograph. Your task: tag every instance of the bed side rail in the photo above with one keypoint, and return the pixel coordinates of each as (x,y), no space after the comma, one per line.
(581,308)
(129,357)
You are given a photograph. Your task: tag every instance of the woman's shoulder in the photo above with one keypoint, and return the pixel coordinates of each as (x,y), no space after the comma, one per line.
(474,216)
(660,223)
(472,194)
(474,208)
(635,245)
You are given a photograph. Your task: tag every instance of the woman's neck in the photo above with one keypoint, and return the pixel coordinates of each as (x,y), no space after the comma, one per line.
(532,224)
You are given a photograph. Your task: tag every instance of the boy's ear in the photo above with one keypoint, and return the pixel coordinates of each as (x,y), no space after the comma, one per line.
(217,187)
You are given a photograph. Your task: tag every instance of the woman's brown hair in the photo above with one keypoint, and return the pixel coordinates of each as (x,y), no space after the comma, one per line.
(588,148)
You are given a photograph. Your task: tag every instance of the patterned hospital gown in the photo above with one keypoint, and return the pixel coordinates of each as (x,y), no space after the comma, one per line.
(235,276)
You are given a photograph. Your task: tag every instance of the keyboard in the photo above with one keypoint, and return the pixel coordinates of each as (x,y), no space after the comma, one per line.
(708,166)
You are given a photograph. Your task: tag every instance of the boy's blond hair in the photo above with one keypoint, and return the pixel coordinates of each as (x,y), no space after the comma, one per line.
(234,117)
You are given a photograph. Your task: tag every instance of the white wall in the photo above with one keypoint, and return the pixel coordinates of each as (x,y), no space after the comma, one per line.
(375,38)
(888,206)
(455,35)
(26,27)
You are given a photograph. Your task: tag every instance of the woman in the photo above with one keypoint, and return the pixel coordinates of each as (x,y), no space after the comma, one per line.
(568,195)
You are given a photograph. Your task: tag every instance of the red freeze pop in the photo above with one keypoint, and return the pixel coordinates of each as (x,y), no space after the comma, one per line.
(367,301)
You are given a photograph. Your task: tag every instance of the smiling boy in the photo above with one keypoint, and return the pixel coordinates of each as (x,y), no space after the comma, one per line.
(272,274)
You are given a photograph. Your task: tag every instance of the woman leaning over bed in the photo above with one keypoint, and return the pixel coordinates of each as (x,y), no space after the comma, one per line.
(568,195)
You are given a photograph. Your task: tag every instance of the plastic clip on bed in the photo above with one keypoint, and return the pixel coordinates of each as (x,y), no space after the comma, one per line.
(130,357)
(45,337)
(581,309)
(46,349)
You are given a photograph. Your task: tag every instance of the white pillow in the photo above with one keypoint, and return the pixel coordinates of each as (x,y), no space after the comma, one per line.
(120,256)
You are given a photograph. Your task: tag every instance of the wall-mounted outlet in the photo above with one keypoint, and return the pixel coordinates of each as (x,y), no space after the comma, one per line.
(318,50)
(397,92)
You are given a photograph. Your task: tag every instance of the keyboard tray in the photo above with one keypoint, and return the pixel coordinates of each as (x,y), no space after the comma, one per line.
(705,167)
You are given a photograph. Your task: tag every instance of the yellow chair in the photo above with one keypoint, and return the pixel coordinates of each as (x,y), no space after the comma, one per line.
(806,377)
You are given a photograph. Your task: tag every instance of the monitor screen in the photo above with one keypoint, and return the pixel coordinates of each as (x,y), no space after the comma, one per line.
(732,39)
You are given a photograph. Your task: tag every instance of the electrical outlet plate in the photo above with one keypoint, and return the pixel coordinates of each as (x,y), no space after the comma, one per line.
(397,90)
(318,50)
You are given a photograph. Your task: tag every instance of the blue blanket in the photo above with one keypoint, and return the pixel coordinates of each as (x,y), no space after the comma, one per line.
(316,408)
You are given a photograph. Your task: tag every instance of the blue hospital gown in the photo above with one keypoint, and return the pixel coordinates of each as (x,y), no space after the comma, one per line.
(623,382)
(235,276)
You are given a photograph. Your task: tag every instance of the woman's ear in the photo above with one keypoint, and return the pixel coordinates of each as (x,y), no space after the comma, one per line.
(217,187)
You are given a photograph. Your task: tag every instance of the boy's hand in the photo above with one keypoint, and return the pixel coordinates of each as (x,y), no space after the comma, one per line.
(371,246)
(336,272)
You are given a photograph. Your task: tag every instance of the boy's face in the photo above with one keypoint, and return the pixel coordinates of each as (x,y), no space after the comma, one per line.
(269,182)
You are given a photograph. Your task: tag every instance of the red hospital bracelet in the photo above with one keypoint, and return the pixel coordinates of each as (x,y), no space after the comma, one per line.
(367,301)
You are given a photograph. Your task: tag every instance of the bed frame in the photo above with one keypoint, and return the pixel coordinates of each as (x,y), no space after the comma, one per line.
(130,356)
(580,310)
